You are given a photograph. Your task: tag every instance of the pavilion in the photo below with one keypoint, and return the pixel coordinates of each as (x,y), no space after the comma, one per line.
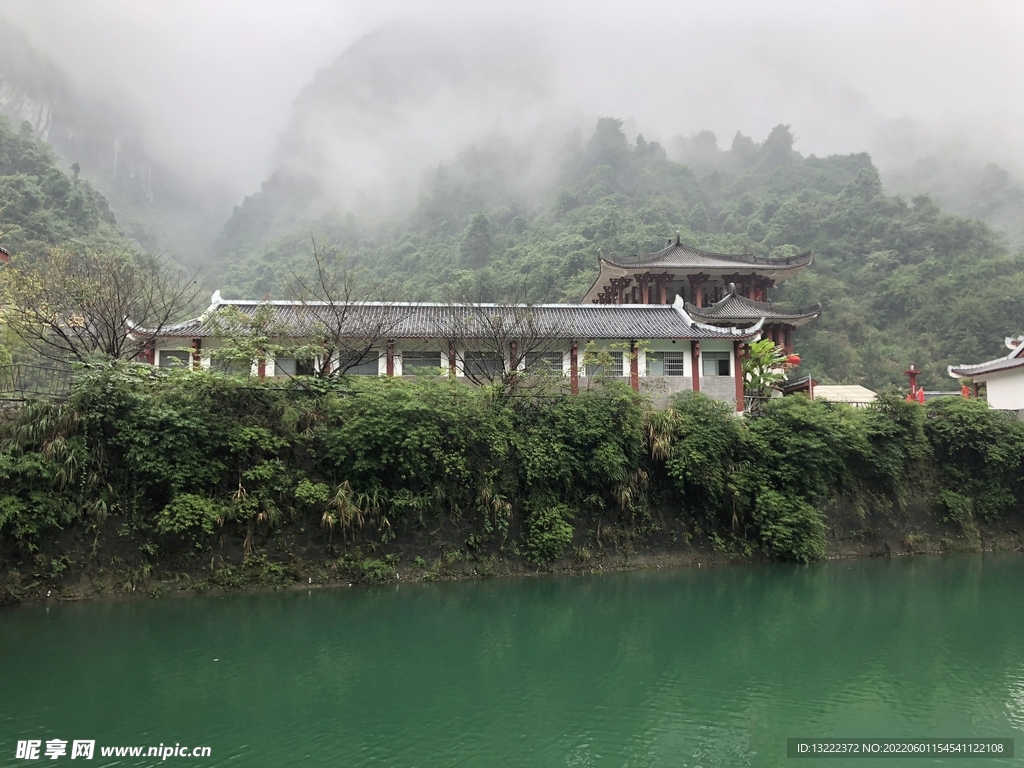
(717,288)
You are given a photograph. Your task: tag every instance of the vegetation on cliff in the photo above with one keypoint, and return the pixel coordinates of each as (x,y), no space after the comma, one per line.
(193,473)
(41,205)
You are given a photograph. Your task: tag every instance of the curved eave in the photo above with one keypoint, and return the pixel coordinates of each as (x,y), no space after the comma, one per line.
(793,317)
(983,370)
(779,271)
(728,260)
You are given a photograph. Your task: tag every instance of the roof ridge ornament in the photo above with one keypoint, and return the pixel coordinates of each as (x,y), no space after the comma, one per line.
(677,237)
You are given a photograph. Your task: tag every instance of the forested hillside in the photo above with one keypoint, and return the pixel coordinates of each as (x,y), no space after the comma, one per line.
(41,205)
(900,281)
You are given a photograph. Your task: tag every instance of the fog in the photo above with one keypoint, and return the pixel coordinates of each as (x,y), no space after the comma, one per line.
(226,93)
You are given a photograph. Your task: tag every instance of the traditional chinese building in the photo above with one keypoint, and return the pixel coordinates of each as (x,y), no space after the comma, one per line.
(676,320)
(659,349)
(716,288)
(1003,377)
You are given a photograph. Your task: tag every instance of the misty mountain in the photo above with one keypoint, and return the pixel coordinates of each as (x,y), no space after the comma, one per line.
(900,281)
(391,106)
(105,145)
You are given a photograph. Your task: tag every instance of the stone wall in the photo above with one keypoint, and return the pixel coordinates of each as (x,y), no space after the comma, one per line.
(720,388)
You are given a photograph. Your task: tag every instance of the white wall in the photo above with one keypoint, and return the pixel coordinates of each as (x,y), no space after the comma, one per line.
(1006,389)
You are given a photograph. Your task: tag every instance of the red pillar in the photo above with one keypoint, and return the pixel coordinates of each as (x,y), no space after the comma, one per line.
(645,288)
(695,364)
(261,368)
(452,360)
(634,367)
(737,372)
(697,289)
(197,346)
(390,359)
(513,356)
(149,353)
(574,368)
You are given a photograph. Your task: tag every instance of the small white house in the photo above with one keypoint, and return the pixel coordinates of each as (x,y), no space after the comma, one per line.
(1003,377)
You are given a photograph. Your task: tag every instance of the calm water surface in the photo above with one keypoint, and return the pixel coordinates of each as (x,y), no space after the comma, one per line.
(709,667)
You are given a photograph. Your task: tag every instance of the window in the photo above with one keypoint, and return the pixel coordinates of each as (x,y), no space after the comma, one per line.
(655,363)
(175,358)
(232,367)
(486,364)
(716,364)
(289,366)
(420,363)
(544,362)
(614,370)
(368,366)
(666,364)
(675,364)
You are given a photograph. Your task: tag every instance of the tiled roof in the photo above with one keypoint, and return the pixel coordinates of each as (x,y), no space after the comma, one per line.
(1015,359)
(736,308)
(424,320)
(685,257)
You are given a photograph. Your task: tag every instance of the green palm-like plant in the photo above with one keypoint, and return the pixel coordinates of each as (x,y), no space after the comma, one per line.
(762,367)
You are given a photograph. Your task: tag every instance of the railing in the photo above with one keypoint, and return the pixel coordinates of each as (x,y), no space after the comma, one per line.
(22,382)
(753,405)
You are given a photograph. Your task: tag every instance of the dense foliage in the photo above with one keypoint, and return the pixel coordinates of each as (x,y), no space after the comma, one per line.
(899,281)
(176,464)
(41,205)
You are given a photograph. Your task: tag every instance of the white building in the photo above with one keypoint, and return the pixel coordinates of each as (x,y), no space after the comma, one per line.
(1003,377)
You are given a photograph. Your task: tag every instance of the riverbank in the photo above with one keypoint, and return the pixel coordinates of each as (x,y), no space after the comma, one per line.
(80,569)
(198,481)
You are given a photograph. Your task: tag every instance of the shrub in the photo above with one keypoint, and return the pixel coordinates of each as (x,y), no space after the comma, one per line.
(548,533)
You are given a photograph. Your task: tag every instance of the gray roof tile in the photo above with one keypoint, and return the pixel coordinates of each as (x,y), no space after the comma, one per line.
(423,320)
(681,256)
(735,308)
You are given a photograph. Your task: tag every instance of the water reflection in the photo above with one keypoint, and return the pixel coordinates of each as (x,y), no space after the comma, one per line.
(681,668)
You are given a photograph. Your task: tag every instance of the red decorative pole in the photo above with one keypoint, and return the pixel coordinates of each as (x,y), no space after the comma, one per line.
(574,369)
(915,394)
(695,364)
(390,361)
(634,367)
(737,347)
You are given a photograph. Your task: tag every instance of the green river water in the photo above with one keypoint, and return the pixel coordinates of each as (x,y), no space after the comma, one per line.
(689,667)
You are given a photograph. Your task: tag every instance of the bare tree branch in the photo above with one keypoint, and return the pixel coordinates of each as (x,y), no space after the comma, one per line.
(73,304)
(347,322)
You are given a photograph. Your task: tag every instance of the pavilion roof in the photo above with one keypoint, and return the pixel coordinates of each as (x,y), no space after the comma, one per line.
(683,257)
(736,308)
(412,320)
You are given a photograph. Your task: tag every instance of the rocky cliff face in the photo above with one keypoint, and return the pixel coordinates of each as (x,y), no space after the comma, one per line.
(153,204)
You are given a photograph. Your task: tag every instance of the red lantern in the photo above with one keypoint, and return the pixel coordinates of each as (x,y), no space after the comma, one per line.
(793,360)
